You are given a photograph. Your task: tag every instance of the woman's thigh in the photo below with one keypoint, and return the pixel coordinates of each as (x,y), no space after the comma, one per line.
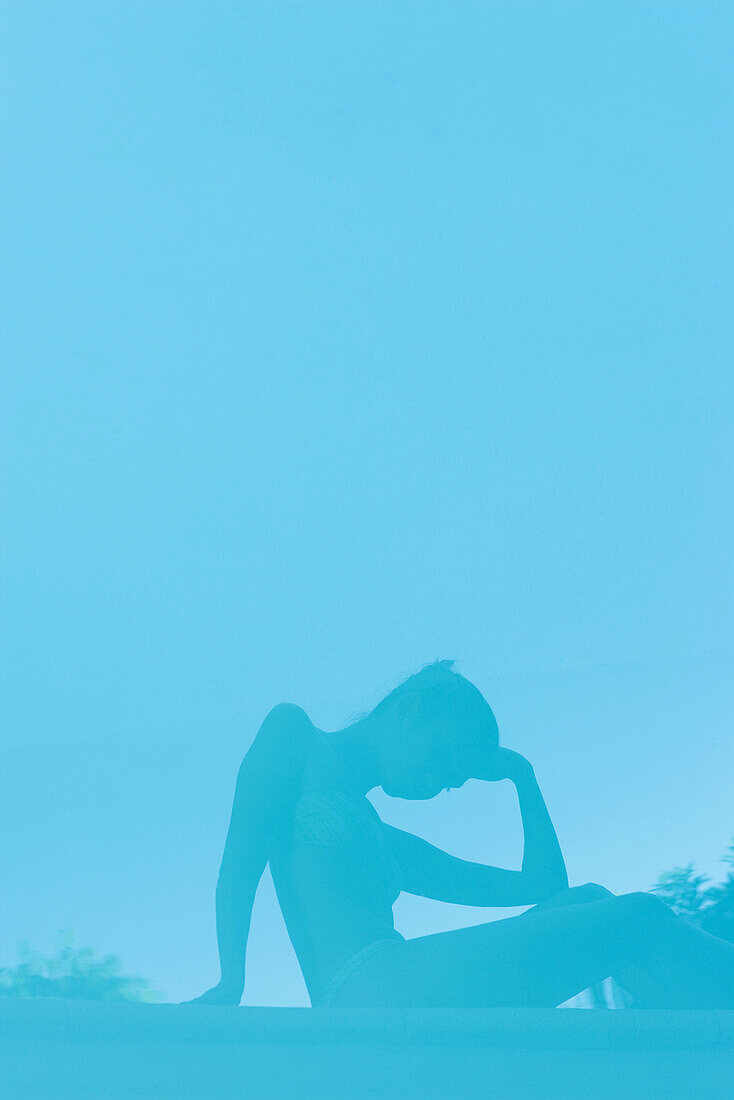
(540,958)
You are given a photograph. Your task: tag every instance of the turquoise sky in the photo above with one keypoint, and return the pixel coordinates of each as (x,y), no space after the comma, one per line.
(339,337)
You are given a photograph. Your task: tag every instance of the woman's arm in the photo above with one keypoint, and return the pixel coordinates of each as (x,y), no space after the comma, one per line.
(433,873)
(542,857)
(267,782)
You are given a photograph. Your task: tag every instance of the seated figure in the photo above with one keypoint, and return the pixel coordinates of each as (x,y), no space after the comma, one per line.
(300,804)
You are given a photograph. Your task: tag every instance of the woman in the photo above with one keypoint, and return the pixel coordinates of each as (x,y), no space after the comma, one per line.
(300,804)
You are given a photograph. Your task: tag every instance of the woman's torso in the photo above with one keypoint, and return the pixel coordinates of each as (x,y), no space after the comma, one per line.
(334,874)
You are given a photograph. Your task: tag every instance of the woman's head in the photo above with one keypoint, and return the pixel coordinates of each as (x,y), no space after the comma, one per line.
(440,731)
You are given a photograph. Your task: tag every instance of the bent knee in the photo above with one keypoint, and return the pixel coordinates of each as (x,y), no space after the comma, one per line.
(575,895)
(592,891)
(639,901)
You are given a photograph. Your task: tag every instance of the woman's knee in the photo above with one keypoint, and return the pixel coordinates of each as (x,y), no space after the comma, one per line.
(574,895)
(643,906)
(578,895)
(592,891)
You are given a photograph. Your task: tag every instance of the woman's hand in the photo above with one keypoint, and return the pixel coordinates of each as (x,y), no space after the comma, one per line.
(219,994)
(506,764)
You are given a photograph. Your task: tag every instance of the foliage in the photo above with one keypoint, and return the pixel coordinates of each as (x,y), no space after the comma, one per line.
(71,972)
(710,907)
(693,896)
(683,890)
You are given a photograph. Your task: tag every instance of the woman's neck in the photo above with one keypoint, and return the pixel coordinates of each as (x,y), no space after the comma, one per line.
(357,748)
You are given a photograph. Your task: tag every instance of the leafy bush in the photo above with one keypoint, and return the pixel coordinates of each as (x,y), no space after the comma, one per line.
(74,972)
(710,907)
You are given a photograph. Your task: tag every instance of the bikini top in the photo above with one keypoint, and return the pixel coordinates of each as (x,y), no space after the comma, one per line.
(351,827)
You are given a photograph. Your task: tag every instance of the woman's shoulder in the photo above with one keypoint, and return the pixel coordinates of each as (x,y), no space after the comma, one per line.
(287,727)
(280,753)
(288,716)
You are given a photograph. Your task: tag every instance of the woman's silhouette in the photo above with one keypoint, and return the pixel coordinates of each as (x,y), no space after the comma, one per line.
(300,804)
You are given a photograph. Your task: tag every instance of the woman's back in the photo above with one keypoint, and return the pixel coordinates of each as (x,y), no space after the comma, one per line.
(334,874)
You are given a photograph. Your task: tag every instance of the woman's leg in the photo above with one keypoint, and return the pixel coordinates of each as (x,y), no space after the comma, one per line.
(642,988)
(550,954)
(634,982)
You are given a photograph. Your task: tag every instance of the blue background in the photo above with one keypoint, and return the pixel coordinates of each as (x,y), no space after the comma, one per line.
(339,337)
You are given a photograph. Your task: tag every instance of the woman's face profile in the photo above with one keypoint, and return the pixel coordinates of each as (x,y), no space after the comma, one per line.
(434,753)
(416,765)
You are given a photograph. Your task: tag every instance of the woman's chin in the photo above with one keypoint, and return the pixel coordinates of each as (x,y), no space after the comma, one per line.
(412,794)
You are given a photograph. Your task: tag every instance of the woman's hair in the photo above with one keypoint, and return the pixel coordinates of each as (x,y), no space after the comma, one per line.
(444,693)
(432,682)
